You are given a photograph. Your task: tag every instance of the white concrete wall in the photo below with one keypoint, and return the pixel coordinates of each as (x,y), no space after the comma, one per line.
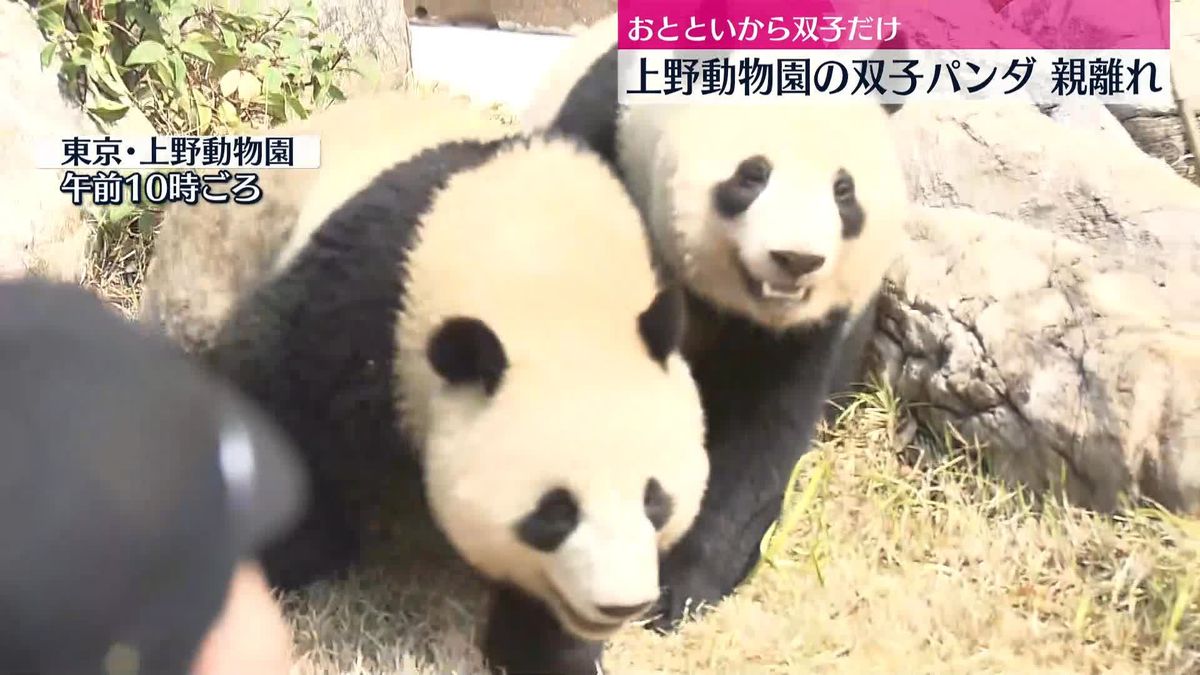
(487,65)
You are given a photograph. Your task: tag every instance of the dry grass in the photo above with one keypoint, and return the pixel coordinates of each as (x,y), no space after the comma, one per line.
(117,264)
(895,555)
(1187,165)
(409,610)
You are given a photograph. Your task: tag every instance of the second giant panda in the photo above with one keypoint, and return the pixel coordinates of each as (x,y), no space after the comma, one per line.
(491,305)
(781,219)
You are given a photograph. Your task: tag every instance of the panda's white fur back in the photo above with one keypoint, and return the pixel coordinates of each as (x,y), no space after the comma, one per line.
(561,284)
(209,255)
(372,135)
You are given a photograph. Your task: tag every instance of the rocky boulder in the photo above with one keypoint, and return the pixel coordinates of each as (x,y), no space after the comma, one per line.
(1048,302)
(1158,130)
(375,32)
(41,232)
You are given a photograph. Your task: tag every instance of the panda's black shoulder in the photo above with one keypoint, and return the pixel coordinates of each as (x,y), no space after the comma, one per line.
(369,236)
(325,326)
(590,109)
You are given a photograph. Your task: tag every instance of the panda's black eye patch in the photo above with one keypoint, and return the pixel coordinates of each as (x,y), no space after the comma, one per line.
(843,186)
(851,210)
(465,350)
(661,325)
(735,194)
(658,504)
(551,522)
(754,170)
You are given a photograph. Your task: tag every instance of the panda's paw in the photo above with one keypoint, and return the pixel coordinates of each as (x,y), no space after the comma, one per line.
(308,556)
(685,596)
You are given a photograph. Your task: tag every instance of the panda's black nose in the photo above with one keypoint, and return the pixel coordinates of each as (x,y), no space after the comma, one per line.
(797,264)
(624,611)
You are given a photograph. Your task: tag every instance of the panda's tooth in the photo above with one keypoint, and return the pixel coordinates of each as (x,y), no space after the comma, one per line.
(769,291)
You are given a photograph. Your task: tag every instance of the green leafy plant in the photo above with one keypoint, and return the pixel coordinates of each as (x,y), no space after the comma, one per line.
(193,66)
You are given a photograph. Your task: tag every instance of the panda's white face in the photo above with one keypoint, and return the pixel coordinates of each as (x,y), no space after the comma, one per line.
(781,213)
(756,209)
(571,492)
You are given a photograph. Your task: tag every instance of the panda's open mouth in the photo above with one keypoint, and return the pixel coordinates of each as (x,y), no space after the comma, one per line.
(577,622)
(765,290)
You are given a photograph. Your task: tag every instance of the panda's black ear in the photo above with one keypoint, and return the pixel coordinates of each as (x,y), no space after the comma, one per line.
(894,52)
(464,350)
(662,324)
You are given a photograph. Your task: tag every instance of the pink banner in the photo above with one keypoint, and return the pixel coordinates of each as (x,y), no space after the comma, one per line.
(870,24)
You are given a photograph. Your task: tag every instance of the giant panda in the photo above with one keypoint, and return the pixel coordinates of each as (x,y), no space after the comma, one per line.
(455,305)
(781,220)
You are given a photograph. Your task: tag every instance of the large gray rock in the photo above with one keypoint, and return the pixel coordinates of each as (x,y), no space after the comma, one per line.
(1158,130)
(562,15)
(41,231)
(1088,113)
(1049,22)
(375,32)
(1049,302)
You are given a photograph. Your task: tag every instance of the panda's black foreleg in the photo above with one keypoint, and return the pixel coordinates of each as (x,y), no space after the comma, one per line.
(320,366)
(849,372)
(763,398)
(522,637)
(253,353)
(323,545)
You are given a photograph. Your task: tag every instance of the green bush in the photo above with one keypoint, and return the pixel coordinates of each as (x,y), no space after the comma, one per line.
(193,66)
